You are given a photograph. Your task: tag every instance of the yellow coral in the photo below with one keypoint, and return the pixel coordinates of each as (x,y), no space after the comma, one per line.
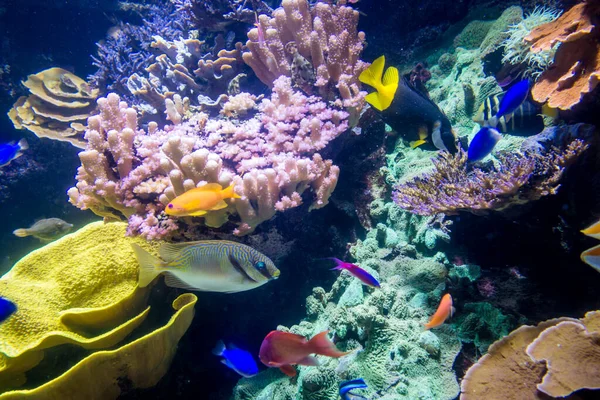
(142,363)
(81,289)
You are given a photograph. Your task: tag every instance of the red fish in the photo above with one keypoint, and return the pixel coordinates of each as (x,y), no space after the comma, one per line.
(357,271)
(444,311)
(282,350)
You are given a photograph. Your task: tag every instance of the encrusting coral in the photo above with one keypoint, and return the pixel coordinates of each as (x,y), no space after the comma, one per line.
(272,158)
(57,107)
(86,281)
(575,71)
(141,363)
(551,360)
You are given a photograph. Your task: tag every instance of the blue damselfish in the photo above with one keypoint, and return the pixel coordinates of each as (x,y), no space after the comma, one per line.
(483,143)
(7,308)
(347,386)
(238,360)
(10,151)
(512,100)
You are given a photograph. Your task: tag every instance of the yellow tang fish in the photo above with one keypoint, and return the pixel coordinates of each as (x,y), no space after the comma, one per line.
(197,202)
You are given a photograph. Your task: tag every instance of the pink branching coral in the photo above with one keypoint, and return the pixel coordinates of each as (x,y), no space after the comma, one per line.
(271,157)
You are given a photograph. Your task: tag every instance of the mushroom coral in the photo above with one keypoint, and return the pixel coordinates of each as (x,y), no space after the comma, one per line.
(576,68)
(141,363)
(81,290)
(555,358)
(57,108)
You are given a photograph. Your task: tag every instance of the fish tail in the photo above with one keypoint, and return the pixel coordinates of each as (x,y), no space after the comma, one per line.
(339,263)
(229,193)
(320,344)
(23,144)
(148,266)
(372,76)
(21,232)
(219,348)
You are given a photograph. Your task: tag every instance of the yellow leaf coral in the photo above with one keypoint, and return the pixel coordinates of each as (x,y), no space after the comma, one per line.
(81,289)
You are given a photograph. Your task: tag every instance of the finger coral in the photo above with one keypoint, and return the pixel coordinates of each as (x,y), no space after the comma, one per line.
(57,107)
(456,186)
(576,68)
(84,282)
(271,157)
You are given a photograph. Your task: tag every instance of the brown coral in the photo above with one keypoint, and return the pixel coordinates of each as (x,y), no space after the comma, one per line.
(576,68)
(57,107)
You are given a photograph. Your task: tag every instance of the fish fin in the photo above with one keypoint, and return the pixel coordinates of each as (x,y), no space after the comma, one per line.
(212,187)
(452,311)
(197,213)
(288,370)
(508,117)
(309,360)
(423,132)
(219,348)
(592,257)
(391,78)
(148,264)
(219,206)
(320,344)
(417,143)
(21,232)
(372,75)
(593,230)
(549,111)
(23,144)
(492,122)
(229,193)
(436,136)
(173,281)
(375,100)
(168,252)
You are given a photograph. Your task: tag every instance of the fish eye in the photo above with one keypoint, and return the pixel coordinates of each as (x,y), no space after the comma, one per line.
(170,205)
(261,265)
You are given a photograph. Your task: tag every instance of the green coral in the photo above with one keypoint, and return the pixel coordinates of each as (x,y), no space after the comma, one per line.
(482,324)
(470,272)
(473,34)
(517,50)
(498,31)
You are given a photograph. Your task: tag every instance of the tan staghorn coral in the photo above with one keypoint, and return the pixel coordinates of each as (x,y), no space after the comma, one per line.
(576,68)
(57,107)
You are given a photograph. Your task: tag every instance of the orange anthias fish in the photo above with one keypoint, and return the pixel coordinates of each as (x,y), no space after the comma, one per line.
(592,256)
(444,311)
(199,201)
(282,350)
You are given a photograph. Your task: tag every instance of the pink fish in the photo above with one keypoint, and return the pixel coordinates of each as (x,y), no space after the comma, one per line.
(283,349)
(357,271)
(261,34)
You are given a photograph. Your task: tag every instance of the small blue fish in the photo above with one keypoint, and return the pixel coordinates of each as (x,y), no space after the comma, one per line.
(347,386)
(483,143)
(512,100)
(357,271)
(12,150)
(7,308)
(238,360)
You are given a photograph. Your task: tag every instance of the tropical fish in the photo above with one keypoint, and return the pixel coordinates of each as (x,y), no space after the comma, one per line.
(208,265)
(511,101)
(7,308)
(407,109)
(347,386)
(483,143)
(592,256)
(238,360)
(283,349)
(444,311)
(527,118)
(12,150)
(199,201)
(356,271)
(46,230)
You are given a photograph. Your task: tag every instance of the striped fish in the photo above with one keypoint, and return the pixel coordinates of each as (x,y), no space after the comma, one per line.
(208,266)
(526,120)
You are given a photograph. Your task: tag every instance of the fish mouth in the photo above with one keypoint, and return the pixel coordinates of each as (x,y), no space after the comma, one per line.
(275,275)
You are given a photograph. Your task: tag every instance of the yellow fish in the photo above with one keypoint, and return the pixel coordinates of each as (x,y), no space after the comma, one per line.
(385,89)
(197,202)
(592,256)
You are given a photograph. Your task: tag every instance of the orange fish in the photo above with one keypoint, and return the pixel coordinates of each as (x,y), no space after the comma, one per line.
(592,256)
(197,202)
(282,350)
(444,311)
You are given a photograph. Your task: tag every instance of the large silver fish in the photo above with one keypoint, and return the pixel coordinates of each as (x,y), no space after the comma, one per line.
(208,266)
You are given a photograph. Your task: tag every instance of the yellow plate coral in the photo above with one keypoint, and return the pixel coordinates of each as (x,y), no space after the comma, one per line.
(81,289)
(142,363)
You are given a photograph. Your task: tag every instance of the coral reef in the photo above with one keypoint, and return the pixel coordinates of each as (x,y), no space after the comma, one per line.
(498,31)
(216,15)
(142,363)
(518,51)
(576,68)
(455,185)
(89,281)
(554,358)
(272,158)
(57,107)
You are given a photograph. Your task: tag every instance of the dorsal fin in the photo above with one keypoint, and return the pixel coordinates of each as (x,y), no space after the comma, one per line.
(213,187)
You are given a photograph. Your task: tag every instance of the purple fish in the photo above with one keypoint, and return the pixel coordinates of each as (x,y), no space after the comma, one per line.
(355,270)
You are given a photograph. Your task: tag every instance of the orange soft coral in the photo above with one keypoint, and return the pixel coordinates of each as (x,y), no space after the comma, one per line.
(576,68)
